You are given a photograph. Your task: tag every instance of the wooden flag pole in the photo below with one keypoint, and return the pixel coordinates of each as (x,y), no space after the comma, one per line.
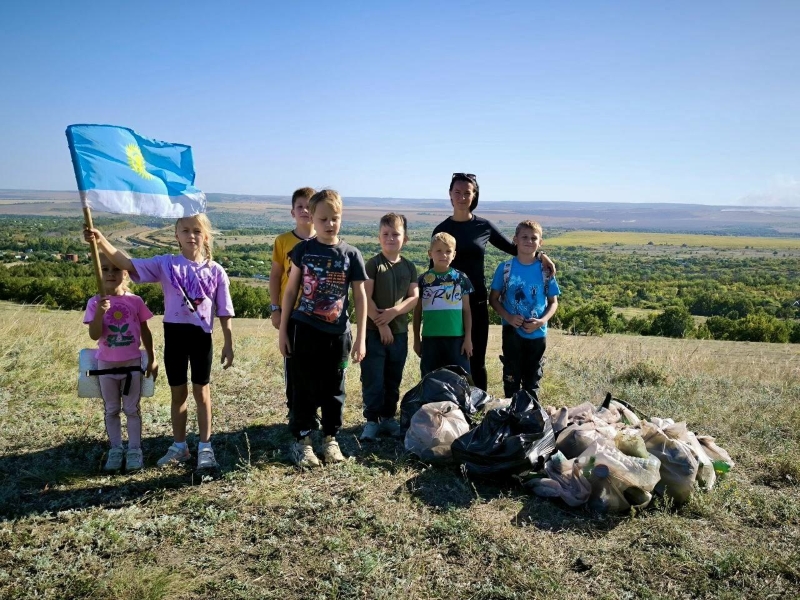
(98,272)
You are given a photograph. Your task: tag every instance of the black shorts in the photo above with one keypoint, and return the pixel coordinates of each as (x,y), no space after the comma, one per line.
(186,344)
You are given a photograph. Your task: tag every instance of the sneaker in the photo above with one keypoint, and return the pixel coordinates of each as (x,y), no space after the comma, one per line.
(390,427)
(206,460)
(114,460)
(370,432)
(133,460)
(174,456)
(331,451)
(302,453)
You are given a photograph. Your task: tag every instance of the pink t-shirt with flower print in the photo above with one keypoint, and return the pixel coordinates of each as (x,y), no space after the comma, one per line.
(122,326)
(193,292)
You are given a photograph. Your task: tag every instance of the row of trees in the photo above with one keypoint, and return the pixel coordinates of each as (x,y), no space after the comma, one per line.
(676,321)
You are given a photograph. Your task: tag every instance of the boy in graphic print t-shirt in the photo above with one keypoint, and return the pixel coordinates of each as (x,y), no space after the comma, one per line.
(316,334)
(443,313)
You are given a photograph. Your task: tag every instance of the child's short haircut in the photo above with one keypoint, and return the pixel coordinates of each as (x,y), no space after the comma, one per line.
(445,238)
(328,197)
(394,220)
(305,192)
(529,225)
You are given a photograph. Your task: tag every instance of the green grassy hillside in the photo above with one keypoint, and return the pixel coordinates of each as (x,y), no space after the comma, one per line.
(384,525)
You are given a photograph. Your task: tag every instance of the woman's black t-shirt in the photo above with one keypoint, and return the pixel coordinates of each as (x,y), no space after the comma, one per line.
(471,239)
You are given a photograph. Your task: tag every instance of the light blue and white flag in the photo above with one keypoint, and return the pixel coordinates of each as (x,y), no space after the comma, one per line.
(119,171)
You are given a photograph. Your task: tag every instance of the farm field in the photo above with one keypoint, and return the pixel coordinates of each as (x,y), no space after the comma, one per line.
(384,525)
(627,238)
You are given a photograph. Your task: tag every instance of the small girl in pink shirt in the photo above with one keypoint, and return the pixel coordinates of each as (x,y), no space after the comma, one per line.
(118,321)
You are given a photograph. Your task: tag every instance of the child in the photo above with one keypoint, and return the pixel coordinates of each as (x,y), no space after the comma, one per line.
(195,290)
(444,309)
(316,334)
(392,292)
(281,265)
(526,300)
(118,322)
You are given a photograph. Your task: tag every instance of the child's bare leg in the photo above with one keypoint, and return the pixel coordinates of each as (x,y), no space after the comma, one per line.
(202,396)
(178,410)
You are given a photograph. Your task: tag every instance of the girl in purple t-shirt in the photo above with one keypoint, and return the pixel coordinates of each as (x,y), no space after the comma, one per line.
(118,322)
(196,289)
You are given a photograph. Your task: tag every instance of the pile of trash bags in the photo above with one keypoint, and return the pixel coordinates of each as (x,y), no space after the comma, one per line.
(607,458)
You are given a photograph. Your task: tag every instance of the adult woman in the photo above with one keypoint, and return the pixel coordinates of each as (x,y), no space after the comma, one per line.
(472,233)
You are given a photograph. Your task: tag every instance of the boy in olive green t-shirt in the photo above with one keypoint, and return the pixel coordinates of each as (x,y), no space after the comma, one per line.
(391,294)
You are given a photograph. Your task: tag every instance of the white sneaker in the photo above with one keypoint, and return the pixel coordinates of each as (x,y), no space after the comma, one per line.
(174,456)
(302,454)
(133,460)
(370,432)
(331,451)
(114,460)
(206,460)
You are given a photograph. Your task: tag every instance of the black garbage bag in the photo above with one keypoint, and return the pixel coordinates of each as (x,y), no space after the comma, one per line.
(508,441)
(448,384)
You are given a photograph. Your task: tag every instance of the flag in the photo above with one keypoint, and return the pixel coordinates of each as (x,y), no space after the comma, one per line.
(119,171)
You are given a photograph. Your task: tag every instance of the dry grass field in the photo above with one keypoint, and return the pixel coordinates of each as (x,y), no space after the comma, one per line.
(593,239)
(384,525)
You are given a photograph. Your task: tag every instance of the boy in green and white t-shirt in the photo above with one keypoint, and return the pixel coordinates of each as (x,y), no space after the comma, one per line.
(444,309)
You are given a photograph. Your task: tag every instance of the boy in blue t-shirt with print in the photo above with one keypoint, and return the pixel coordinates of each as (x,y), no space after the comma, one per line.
(526,299)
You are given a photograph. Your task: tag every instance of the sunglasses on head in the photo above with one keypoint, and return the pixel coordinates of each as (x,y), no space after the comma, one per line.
(470,176)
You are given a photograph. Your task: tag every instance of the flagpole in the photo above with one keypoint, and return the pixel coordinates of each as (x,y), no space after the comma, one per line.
(98,272)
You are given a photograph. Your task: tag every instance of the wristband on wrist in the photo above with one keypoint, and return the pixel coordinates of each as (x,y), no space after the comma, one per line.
(274,307)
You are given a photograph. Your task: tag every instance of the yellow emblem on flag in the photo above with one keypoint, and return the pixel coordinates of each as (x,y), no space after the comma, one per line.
(136,161)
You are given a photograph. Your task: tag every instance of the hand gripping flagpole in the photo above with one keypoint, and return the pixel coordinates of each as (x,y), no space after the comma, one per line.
(98,272)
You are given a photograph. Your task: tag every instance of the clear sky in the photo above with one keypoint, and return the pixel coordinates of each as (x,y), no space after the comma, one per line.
(581,101)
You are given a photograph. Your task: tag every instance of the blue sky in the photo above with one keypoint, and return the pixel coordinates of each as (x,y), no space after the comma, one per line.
(584,101)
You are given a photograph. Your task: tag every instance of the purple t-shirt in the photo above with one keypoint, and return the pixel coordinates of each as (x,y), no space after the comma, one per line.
(122,326)
(193,292)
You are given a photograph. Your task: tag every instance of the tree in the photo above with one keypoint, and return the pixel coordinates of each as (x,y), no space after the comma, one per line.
(676,321)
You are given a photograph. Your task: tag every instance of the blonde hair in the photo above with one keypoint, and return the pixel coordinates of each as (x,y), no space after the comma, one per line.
(330,198)
(205,228)
(529,225)
(445,238)
(125,277)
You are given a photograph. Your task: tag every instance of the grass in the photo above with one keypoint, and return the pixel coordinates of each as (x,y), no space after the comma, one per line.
(626,238)
(384,525)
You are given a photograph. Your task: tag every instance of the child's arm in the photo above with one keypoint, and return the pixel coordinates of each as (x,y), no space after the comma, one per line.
(514,320)
(416,323)
(287,305)
(147,342)
(374,313)
(360,299)
(275,276)
(406,306)
(117,258)
(534,324)
(466,313)
(227,347)
(96,324)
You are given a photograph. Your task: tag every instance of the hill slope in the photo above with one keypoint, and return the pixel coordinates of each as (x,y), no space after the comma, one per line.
(384,525)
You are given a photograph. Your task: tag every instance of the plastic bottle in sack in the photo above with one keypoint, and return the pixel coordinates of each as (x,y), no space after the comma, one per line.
(619,481)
